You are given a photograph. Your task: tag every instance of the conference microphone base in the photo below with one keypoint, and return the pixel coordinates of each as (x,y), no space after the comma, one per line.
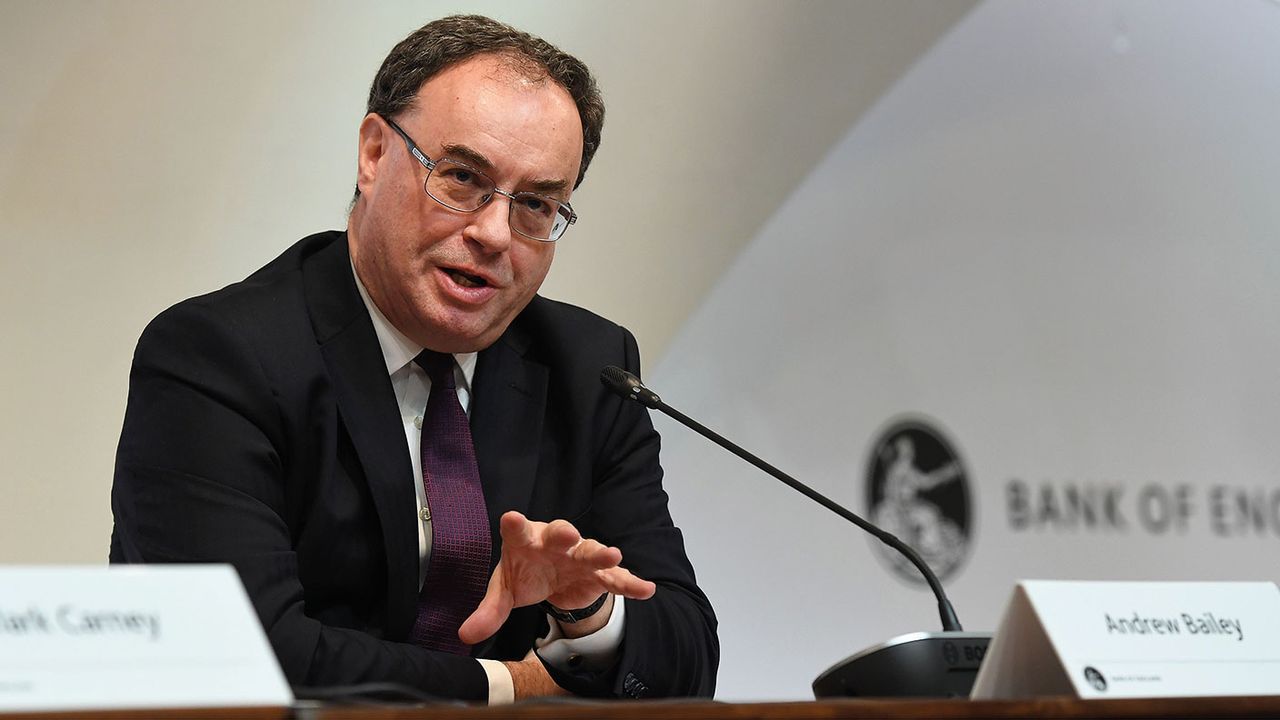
(934,664)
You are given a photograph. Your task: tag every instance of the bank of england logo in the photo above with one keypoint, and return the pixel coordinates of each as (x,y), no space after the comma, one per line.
(917,489)
(1095,678)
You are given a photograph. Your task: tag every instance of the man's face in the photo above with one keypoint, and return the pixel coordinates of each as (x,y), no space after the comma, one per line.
(449,280)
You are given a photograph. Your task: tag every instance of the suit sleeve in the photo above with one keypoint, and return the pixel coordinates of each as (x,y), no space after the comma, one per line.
(670,647)
(200,477)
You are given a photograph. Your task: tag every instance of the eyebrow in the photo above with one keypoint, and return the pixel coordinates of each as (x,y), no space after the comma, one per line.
(470,156)
(454,151)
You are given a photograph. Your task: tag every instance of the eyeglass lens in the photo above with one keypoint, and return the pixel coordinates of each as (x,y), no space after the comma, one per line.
(465,189)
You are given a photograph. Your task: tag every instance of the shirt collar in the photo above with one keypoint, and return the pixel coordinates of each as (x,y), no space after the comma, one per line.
(397,349)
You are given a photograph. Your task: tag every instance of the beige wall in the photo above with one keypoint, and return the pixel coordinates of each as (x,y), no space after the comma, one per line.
(152,151)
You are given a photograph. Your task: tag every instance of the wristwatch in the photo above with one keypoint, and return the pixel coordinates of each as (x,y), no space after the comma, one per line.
(570,617)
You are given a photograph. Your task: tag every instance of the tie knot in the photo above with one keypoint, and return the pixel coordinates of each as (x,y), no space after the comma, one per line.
(439,367)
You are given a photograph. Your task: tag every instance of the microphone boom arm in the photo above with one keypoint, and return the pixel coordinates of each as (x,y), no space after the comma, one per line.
(630,387)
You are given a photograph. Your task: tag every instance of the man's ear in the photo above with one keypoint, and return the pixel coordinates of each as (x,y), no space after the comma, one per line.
(372,149)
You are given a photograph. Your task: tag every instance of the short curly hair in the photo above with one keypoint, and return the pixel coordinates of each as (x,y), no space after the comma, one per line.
(443,43)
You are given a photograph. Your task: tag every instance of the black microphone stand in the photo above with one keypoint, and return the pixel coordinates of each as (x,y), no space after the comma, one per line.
(940,664)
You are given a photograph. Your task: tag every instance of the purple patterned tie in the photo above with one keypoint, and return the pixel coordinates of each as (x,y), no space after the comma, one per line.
(458,569)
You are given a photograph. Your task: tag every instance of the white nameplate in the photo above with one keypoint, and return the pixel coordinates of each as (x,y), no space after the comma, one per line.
(139,636)
(1135,639)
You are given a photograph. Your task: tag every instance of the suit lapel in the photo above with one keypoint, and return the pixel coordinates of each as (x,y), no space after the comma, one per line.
(506,425)
(507,411)
(367,407)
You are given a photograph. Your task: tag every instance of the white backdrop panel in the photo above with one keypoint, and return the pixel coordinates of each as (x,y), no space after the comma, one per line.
(1055,236)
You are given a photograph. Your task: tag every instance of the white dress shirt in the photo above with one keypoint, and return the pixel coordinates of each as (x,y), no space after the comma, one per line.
(412,388)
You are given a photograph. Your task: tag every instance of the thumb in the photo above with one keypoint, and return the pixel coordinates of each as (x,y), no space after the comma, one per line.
(493,610)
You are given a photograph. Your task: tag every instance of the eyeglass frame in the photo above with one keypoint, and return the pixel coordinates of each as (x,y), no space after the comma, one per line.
(430,165)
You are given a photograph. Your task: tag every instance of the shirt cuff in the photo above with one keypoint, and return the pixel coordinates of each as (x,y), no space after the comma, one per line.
(502,690)
(593,652)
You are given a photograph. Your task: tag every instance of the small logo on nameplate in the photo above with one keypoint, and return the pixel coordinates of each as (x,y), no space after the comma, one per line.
(1095,678)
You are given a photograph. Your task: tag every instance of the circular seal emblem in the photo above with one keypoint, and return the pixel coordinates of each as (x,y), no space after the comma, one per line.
(918,490)
(1095,678)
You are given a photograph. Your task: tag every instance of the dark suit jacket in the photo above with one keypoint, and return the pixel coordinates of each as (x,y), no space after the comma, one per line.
(262,430)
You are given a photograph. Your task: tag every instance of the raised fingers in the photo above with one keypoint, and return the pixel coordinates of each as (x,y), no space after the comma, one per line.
(560,536)
(516,530)
(620,581)
(596,555)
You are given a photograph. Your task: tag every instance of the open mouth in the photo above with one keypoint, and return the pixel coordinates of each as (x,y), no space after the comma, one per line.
(466,279)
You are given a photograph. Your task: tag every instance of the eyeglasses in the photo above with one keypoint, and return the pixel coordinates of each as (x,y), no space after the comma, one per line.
(460,187)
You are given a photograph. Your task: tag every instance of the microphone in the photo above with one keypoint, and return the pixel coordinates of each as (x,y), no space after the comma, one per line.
(893,663)
(629,386)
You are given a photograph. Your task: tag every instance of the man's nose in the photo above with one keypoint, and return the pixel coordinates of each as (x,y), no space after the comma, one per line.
(490,226)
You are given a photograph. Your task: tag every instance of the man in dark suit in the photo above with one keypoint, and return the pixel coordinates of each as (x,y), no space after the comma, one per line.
(278,424)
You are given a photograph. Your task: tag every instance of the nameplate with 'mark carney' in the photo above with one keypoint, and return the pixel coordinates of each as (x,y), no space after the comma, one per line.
(79,638)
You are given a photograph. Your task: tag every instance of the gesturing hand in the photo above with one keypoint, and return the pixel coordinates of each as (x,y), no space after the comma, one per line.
(553,562)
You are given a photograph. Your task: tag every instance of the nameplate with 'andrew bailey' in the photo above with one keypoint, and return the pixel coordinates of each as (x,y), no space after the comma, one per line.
(1135,639)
